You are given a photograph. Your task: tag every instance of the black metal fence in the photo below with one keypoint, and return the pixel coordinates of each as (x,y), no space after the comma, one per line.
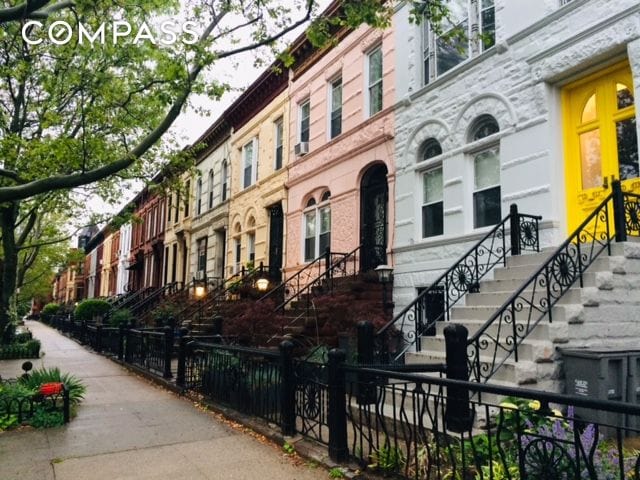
(22,408)
(393,420)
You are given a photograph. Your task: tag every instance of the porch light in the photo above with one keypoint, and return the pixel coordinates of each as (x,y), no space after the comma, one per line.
(384,273)
(262,284)
(199,288)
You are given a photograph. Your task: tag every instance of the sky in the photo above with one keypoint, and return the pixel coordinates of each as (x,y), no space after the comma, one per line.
(190,125)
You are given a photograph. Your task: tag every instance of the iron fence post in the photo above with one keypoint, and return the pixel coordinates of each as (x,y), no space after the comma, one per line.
(327,263)
(288,389)
(458,414)
(66,404)
(168,351)
(217,328)
(366,386)
(618,212)
(182,358)
(514,229)
(127,345)
(121,342)
(98,345)
(337,421)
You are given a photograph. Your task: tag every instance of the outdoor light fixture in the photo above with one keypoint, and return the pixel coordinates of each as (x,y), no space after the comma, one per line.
(199,288)
(262,284)
(384,276)
(384,273)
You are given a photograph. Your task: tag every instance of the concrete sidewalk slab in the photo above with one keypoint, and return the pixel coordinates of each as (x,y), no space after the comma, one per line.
(129,428)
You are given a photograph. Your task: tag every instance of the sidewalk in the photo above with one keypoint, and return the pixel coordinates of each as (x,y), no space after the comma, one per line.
(128,428)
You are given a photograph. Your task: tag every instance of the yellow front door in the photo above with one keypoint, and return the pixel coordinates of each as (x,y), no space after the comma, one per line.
(600,139)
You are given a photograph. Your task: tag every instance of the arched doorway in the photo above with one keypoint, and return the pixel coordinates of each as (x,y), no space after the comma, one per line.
(374,199)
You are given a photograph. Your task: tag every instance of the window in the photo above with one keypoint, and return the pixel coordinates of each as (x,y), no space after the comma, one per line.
(251,247)
(335,106)
(249,163)
(225,177)
(486,168)
(187,199)
(432,204)
(210,189)
(199,197)
(177,208)
(469,31)
(238,260)
(317,227)
(279,134)
(431,148)
(169,200)
(374,90)
(304,112)
(202,254)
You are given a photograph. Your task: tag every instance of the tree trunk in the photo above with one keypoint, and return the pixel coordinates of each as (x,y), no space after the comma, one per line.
(8,217)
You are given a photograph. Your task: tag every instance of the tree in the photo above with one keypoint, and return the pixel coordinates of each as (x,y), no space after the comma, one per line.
(88,111)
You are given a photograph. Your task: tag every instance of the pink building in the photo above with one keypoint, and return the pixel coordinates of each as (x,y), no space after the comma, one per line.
(341,174)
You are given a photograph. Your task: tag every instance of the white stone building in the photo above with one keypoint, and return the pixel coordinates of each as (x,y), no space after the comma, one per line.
(502,119)
(123,259)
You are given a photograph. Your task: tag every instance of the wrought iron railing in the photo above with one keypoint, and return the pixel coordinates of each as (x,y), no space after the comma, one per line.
(300,300)
(246,379)
(150,350)
(416,429)
(153,298)
(406,329)
(501,335)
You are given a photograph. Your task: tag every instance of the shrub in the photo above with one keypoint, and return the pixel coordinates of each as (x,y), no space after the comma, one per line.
(28,349)
(48,311)
(93,307)
(165,312)
(120,317)
(46,375)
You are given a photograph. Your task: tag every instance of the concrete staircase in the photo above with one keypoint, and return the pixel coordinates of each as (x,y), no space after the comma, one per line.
(605,312)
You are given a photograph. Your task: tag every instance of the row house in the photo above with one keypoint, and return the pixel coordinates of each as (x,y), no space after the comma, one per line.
(146,255)
(210,222)
(259,120)
(536,107)
(177,236)
(123,249)
(341,145)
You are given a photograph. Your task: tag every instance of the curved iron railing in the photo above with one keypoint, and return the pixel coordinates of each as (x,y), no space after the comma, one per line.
(289,287)
(406,329)
(499,337)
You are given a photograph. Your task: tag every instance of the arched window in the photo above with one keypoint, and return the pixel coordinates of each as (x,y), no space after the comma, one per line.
(225,180)
(487,209)
(199,197)
(317,227)
(211,189)
(431,148)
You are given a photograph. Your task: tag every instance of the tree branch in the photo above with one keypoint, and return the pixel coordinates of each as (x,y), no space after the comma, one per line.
(31,9)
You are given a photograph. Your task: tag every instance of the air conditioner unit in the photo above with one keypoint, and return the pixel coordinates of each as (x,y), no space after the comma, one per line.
(302,148)
(200,275)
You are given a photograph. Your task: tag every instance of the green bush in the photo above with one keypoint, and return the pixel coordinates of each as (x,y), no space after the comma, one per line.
(48,311)
(29,349)
(47,375)
(46,418)
(120,317)
(93,307)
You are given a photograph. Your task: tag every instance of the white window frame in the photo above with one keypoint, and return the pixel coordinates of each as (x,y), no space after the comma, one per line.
(424,203)
(316,209)
(237,254)
(224,194)
(330,92)
(199,196)
(211,184)
(369,86)
(251,247)
(301,106)
(201,252)
(475,43)
(253,163)
(278,137)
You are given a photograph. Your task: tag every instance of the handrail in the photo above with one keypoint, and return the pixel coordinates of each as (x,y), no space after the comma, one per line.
(535,298)
(295,278)
(462,277)
(327,275)
(158,292)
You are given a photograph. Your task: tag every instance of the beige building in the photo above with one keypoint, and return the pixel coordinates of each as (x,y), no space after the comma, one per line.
(104,264)
(209,226)
(177,234)
(258,175)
